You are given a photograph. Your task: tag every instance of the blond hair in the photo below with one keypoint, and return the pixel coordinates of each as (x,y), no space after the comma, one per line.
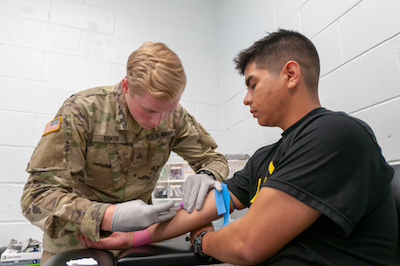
(157,69)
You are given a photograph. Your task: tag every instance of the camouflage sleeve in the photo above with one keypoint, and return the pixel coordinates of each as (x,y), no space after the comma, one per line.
(48,200)
(196,146)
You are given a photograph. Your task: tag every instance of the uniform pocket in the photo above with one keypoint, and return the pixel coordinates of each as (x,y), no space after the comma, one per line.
(103,168)
(117,178)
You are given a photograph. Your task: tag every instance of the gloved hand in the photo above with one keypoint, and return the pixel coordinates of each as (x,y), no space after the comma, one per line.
(136,215)
(196,189)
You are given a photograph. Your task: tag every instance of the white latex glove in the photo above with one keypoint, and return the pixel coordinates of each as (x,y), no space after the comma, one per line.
(136,215)
(196,189)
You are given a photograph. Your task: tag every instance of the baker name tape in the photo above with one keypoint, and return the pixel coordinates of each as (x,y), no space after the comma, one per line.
(222,201)
(53,125)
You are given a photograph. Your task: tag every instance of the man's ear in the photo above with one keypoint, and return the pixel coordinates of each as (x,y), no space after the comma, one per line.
(124,84)
(293,74)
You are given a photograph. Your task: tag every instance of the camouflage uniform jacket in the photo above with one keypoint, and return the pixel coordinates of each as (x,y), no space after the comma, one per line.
(100,156)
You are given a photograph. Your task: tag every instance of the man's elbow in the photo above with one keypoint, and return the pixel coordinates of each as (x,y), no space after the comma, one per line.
(249,254)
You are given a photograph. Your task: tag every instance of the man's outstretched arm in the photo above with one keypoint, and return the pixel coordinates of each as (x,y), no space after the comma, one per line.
(182,223)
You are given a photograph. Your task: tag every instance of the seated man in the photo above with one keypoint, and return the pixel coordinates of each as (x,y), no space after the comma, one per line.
(321,195)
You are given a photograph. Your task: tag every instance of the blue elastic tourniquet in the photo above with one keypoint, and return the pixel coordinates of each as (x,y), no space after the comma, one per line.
(222,201)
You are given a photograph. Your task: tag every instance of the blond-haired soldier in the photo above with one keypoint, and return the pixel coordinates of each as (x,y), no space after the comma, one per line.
(98,161)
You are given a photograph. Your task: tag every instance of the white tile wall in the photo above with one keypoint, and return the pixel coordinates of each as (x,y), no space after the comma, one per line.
(367,25)
(264,22)
(260,5)
(163,10)
(4,25)
(106,48)
(244,136)
(207,14)
(47,102)
(188,59)
(41,35)
(232,112)
(73,70)
(292,23)
(117,71)
(82,16)
(329,49)
(134,7)
(36,10)
(207,66)
(141,29)
(194,40)
(17,130)
(50,49)
(11,193)
(231,82)
(16,59)
(316,15)
(285,9)
(236,17)
(202,90)
(14,162)
(203,112)
(375,75)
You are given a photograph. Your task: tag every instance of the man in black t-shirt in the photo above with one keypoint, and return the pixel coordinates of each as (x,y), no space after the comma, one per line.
(322,194)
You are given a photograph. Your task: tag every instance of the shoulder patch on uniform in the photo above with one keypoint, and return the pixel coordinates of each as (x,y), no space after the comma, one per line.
(53,125)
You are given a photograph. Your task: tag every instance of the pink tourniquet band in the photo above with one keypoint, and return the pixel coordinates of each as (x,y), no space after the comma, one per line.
(141,238)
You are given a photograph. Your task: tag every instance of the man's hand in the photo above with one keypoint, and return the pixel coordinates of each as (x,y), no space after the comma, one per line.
(136,215)
(117,240)
(196,188)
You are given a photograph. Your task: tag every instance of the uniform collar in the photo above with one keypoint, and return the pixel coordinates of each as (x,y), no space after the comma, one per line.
(124,119)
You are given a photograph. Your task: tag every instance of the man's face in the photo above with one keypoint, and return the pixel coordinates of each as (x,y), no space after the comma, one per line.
(147,110)
(265,95)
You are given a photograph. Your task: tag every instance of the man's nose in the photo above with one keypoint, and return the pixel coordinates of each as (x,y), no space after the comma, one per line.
(157,119)
(248,98)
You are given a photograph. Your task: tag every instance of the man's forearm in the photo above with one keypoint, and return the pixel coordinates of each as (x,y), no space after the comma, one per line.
(226,246)
(185,222)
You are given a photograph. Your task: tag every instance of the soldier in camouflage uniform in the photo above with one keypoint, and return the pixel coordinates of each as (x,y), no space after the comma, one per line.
(105,149)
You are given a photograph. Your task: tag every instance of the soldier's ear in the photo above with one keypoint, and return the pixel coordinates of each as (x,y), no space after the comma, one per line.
(125,87)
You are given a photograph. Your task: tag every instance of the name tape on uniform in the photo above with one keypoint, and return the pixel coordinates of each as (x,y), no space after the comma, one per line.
(109,138)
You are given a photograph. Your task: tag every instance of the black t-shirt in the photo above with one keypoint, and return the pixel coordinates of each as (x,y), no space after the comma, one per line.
(331,162)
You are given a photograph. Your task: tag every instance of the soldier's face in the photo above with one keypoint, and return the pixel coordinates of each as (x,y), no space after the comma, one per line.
(147,110)
(267,96)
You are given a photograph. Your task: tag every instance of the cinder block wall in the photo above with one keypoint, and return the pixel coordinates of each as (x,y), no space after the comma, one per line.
(50,49)
(358,42)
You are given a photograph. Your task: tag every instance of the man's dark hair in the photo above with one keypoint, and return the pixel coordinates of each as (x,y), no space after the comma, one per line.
(275,50)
